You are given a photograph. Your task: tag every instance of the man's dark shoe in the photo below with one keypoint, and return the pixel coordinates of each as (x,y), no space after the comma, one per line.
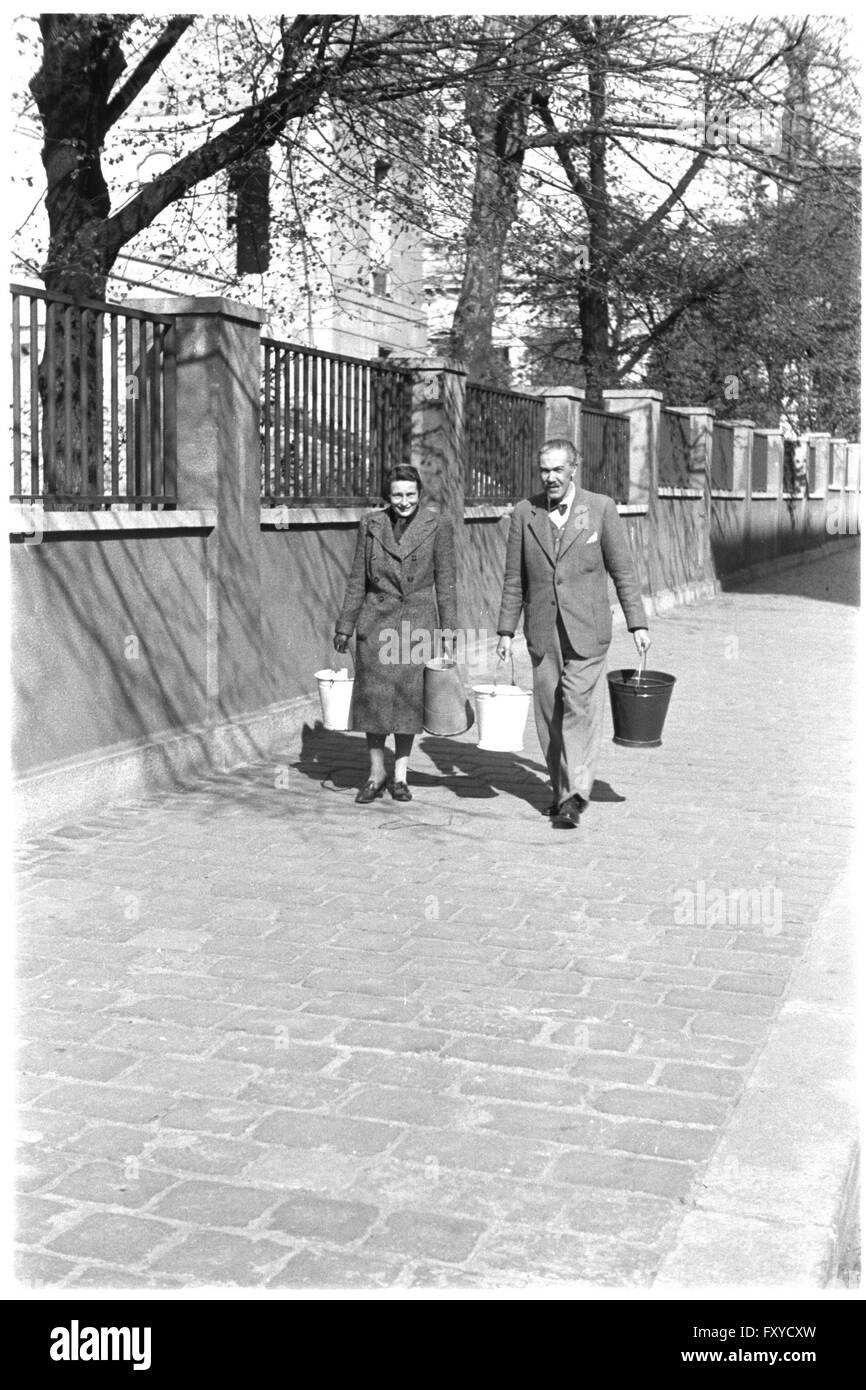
(567,817)
(369,792)
(400,792)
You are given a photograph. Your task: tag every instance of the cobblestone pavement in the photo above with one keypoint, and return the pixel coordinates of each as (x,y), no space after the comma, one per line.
(274,1039)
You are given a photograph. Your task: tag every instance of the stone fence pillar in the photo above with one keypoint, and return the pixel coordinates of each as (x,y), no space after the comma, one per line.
(838,451)
(439,431)
(851,475)
(439,447)
(562,407)
(820,442)
(218,354)
(743,431)
(643,407)
(852,488)
(699,424)
(775,461)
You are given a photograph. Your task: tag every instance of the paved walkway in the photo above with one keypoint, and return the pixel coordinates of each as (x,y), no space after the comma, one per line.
(277,1040)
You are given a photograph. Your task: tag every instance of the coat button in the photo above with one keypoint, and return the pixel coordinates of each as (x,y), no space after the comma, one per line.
(381,598)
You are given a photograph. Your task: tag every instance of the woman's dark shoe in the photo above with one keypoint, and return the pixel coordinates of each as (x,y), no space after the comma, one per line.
(401,792)
(369,792)
(568,815)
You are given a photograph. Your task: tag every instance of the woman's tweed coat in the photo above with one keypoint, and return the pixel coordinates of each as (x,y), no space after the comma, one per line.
(393,592)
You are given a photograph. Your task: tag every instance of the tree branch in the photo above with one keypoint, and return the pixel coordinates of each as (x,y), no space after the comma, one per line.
(150,63)
(258,128)
(642,231)
(698,296)
(581,188)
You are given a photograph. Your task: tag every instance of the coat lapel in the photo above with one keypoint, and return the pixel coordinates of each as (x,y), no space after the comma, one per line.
(421,527)
(577,524)
(380,526)
(539,525)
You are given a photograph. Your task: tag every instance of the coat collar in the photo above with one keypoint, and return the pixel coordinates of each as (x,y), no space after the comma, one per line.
(423,523)
(577,524)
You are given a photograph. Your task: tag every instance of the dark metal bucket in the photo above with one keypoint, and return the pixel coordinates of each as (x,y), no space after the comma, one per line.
(639,702)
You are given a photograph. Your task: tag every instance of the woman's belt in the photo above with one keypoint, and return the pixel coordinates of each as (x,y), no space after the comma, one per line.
(379,595)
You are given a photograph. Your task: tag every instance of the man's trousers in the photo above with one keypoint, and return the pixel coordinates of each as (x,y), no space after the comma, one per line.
(568,698)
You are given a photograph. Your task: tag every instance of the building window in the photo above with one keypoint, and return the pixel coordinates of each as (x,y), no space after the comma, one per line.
(380,231)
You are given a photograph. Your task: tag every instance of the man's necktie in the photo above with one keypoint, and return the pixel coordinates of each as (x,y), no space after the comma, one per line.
(562,508)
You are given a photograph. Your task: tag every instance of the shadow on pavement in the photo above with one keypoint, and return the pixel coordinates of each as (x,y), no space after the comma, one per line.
(832,579)
(603,791)
(465,770)
(473,772)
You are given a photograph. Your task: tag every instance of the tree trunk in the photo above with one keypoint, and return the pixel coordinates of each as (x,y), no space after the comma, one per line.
(71,106)
(593,284)
(71,406)
(500,131)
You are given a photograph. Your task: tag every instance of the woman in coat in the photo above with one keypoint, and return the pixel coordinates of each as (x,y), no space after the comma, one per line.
(403,584)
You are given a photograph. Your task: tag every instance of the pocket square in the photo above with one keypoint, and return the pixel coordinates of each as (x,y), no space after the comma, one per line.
(593,537)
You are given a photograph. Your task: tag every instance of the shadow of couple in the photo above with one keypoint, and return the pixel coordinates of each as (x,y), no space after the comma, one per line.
(465,769)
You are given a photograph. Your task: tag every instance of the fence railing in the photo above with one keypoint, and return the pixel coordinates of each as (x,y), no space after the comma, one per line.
(838,462)
(605,449)
(760,462)
(93,404)
(722,458)
(675,449)
(812,469)
(331,426)
(504,431)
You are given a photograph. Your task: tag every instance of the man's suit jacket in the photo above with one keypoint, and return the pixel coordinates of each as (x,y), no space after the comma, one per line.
(572,584)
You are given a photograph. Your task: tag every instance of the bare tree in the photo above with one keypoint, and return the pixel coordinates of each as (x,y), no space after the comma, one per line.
(640,75)
(83,89)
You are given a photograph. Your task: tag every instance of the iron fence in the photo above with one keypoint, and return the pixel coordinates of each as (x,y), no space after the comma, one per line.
(760,459)
(331,425)
(675,450)
(722,462)
(812,468)
(504,432)
(93,404)
(605,449)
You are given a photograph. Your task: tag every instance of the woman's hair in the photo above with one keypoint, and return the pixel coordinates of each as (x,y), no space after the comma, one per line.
(401,473)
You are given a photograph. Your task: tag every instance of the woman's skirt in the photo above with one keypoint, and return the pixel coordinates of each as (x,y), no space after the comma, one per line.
(388,696)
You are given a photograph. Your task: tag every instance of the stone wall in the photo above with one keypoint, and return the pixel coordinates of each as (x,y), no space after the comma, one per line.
(151,645)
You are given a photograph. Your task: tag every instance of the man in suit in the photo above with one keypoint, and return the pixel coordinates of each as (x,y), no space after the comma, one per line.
(562,545)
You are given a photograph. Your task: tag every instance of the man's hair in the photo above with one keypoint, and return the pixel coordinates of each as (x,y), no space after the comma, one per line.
(555,445)
(401,473)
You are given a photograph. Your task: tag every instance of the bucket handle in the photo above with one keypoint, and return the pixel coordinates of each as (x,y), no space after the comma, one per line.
(348,653)
(639,672)
(501,662)
(448,662)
